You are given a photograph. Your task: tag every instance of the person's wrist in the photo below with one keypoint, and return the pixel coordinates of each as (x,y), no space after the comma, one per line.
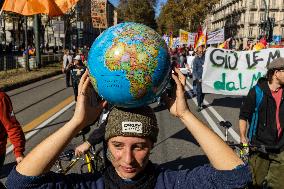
(184,114)
(88,143)
(242,136)
(77,123)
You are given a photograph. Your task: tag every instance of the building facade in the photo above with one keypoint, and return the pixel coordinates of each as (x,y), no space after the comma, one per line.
(76,26)
(241,18)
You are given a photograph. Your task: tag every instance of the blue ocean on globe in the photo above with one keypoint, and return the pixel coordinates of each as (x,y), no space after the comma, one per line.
(129,65)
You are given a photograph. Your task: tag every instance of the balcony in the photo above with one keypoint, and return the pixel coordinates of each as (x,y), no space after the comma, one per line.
(274,7)
(262,7)
(251,36)
(253,7)
(241,22)
(280,22)
(252,22)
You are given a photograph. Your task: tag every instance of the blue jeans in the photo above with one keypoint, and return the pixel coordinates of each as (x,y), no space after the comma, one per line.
(200,95)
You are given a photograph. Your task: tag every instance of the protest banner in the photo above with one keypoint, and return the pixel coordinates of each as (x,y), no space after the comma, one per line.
(183,36)
(191,38)
(99,13)
(216,37)
(176,42)
(231,72)
(166,39)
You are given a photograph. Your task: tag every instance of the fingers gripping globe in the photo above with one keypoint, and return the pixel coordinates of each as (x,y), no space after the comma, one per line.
(129,65)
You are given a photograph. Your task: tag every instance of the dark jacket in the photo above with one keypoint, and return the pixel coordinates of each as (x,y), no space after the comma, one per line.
(266,132)
(76,74)
(200,177)
(197,67)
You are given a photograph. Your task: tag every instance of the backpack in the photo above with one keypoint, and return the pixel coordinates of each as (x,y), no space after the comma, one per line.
(254,120)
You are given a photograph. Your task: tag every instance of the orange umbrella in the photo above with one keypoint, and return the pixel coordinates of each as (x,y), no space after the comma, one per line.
(32,7)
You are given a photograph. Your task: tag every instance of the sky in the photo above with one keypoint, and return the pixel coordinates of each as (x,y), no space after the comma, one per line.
(160,2)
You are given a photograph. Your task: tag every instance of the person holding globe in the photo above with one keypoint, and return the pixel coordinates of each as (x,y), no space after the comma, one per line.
(117,61)
(129,151)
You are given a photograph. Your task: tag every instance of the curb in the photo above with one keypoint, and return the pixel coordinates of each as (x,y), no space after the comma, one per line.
(23,83)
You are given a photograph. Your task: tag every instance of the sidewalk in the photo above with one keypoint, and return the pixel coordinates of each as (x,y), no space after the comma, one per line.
(13,79)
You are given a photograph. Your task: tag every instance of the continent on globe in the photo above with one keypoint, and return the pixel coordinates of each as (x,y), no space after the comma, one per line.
(129,65)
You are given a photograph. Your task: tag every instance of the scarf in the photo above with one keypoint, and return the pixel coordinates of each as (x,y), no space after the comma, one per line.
(145,180)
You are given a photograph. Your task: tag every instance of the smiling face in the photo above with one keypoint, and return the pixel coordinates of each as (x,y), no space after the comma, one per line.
(129,155)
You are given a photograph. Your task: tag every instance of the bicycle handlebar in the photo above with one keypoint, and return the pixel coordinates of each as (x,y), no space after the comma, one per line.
(261,148)
(68,155)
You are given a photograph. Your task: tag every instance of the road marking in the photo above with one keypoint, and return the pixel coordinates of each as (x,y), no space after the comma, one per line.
(233,133)
(208,118)
(44,119)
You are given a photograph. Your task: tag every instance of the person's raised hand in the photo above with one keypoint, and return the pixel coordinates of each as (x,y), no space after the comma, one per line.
(178,105)
(81,149)
(85,112)
(19,159)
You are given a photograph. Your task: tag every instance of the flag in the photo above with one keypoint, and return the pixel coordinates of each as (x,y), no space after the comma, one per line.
(32,7)
(201,38)
(225,44)
(260,45)
(171,40)
(183,36)
(197,35)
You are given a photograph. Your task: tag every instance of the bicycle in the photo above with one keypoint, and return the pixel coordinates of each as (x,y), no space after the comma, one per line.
(92,158)
(243,150)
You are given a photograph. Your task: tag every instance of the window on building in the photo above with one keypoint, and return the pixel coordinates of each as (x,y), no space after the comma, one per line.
(262,16)
(260,32)
(272,15)
(273,3)
(250,31)
(251,17)
(253,2)
(282,32)
(262,5)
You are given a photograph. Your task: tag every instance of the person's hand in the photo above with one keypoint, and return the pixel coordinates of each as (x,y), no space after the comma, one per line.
(69,66)
(19,159)
(81,149)
(178,105)
(243,140)
(85,112)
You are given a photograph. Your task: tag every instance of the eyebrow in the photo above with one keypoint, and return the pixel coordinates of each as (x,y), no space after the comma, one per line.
(117,142)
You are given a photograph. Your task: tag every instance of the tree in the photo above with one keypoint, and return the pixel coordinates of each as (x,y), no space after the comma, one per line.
(142,11)
(176,14)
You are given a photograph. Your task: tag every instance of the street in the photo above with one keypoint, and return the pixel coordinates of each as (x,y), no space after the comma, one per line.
(45,106)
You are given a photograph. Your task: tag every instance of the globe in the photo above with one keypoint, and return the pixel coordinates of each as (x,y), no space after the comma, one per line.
(129,65)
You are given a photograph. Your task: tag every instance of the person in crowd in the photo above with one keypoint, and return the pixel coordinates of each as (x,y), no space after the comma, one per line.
(174,57)
(85,51)
(267,168)
(30,51)
(197,71)
(76,72)
(10,128)
(129,149)
(67,62)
